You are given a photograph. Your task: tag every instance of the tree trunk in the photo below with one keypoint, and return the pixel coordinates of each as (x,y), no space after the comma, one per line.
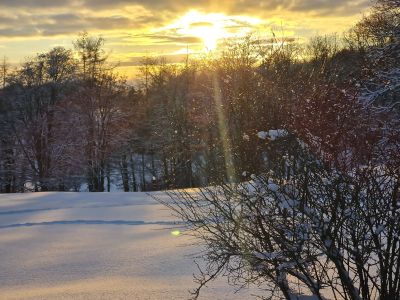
(143,174)
(124,173)
(134,183)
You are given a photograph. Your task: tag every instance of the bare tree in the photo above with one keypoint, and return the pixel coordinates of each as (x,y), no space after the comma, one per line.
(32,94)
(4,68)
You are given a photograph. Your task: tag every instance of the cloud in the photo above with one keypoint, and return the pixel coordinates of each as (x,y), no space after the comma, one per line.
(317,7)
(24,18)
(137,26)
(177,39)
(33,4)
(229,6)
(170,5)
(138,60)
(168,38)
(201,24)
(16,32)
(26,25)
(326,7)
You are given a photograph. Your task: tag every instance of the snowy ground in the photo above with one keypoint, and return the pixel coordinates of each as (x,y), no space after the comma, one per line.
(95,246)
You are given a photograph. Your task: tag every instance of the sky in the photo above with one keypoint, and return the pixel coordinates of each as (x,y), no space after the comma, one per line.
(137,28)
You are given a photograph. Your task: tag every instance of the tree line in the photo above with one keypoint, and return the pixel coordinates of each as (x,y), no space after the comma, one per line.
(70,122)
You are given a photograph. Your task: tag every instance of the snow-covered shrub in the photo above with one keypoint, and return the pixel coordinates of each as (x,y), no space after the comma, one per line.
(317,232)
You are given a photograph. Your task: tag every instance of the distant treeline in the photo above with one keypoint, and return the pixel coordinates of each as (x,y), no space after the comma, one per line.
(68,120)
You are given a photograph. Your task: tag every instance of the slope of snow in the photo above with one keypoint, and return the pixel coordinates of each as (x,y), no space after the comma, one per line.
(95,246)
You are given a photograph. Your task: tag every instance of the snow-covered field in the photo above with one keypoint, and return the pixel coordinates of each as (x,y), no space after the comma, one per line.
(95,246)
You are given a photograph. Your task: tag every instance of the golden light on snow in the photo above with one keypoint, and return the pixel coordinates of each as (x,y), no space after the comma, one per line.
(175,233)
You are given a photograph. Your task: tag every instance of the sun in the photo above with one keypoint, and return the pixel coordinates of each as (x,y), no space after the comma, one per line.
(209,33)
(211,28)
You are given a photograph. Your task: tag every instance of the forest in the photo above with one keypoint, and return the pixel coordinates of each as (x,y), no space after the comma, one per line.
(70,122)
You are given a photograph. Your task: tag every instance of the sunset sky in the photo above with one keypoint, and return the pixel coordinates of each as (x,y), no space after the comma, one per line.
(136,28)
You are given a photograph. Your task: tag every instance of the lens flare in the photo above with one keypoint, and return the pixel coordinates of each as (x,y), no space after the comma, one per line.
(175,233)
(223,131)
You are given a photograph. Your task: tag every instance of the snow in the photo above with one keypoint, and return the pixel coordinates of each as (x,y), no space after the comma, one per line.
(288,203)
(303,297)
(272,134)
(96,246)
(262,135)
(379,229)
(386,81)
(273,187)
(268,255)
(328,243)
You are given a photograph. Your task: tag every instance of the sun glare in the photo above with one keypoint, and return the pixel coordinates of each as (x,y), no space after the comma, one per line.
(212,28)
(210,34)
